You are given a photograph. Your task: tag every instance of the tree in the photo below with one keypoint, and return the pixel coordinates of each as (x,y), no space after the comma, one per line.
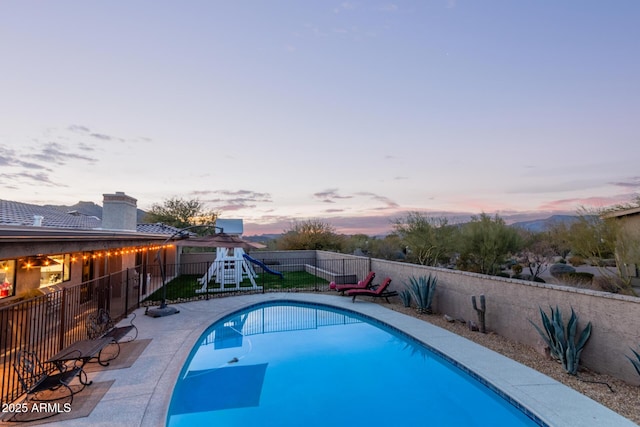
(558,238)
(592,237)
(180,213)
(538,251)
(390,247)
(486,242)
(428,240)
(311,234)
(598,236)
(357,242)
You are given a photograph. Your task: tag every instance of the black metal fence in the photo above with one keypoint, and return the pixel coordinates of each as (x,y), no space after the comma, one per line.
(48,323)
(195,281)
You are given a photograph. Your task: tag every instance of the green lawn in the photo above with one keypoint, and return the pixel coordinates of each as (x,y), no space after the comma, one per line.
(184,287)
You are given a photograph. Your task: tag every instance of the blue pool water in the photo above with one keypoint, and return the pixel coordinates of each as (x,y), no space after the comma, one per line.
(284,364)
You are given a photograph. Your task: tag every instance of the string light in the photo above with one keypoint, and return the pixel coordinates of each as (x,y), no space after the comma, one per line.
(128,250)
(110,253)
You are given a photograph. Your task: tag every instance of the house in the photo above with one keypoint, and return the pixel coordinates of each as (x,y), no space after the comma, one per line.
(44,248)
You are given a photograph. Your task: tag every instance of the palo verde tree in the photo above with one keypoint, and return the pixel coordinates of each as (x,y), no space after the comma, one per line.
(485,244)
(557,237)
(180,213)
(428,240)
(598,235)
(311,234)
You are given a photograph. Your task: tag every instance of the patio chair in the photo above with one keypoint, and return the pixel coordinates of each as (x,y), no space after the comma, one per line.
(379,292)
(44,385)
(363,284)
(101,325)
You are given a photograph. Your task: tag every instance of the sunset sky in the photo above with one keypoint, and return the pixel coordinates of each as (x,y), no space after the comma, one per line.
(352,112)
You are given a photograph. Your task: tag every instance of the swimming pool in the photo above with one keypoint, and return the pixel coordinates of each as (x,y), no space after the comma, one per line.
(294,363)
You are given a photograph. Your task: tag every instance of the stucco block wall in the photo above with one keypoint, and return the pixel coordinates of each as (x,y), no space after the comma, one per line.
(512,303)
(346,265)
(199,257)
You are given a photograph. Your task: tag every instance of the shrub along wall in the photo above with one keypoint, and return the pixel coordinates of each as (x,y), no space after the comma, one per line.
(510,304)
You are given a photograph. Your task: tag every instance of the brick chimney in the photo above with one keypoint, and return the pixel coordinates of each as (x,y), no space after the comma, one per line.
(119,212)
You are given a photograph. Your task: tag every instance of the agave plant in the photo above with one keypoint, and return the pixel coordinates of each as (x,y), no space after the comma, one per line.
(422,289)
(405,296)
(636,362)
(562,340)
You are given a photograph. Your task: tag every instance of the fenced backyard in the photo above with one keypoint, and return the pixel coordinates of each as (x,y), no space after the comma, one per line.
(50,322)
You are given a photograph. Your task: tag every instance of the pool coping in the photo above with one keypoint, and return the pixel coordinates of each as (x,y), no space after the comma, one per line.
(142,393)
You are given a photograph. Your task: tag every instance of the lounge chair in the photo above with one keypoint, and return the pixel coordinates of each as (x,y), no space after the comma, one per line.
(43,384)
(101,325)
(379,292)
(363,284)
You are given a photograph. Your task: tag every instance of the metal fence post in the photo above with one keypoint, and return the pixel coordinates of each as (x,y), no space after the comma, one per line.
(63,316)
(206,279)
(315,274)
(141,284)
(126,295)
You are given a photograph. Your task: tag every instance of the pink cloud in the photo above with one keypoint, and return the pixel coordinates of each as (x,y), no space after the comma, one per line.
(597,201)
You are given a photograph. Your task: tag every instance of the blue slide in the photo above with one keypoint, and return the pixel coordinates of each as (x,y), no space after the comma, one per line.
(264,267)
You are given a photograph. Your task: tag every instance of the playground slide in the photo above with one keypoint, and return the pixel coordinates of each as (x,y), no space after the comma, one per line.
(264,267)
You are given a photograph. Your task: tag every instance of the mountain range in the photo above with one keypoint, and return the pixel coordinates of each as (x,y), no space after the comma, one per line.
(537,225)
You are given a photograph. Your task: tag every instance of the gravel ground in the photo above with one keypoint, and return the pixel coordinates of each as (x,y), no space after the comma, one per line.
(621,397)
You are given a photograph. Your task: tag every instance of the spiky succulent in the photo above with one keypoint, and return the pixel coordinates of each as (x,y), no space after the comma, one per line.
(563,341)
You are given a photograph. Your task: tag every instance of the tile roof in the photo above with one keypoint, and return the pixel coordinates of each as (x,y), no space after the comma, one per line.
(16,213)
(22,214)
(156,228)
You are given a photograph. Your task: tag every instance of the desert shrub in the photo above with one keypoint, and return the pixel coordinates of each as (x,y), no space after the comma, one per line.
(531,278)
(577,278)
(576,260)
(558,270)
(611,284)
(603,263)
(582,276)
(517,269)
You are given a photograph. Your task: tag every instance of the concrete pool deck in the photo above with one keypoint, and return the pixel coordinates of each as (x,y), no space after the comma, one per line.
(140,394)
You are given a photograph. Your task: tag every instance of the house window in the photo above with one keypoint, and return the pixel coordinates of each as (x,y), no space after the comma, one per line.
(57,270)
(7,278)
